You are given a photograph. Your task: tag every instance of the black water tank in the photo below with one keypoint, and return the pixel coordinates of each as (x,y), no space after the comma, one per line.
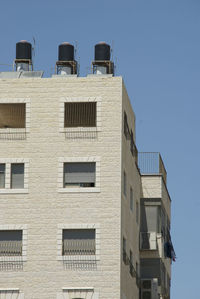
(102,51)
(23,50)
(66,52)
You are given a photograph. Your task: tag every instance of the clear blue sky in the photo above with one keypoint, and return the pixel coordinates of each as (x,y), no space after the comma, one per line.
(157,51)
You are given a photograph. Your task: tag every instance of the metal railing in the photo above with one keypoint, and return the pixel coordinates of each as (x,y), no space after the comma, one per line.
(151,163)
(78,247)
(10,248)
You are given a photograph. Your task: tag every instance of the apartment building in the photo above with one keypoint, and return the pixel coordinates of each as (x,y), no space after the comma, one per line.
(83,214)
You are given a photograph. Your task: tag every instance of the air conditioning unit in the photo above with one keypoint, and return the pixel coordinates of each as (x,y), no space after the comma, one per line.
(149,288)
(148,241)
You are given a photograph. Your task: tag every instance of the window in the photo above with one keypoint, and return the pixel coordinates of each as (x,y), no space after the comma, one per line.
(125,184)
(124,251)
(80,114)
(14,175)
(78,242)
(131,199)
(11,293)
(17,175)
(126,128)
(10,242)
(131,268)
(79,174)
(12,115)
(137,274)
(137,212)
(2,175)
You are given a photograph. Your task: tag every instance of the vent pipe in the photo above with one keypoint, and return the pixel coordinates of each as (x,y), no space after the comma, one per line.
(66,64)
(23,59)
(102,64)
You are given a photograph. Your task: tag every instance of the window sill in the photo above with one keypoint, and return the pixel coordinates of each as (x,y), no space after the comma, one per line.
(80,129)
(78,258)
(7,258)
(14,191)
(79,190)
(13,130)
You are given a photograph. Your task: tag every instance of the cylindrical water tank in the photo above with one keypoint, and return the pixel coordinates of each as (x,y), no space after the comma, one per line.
(23,50)
(66,52)
(102,51)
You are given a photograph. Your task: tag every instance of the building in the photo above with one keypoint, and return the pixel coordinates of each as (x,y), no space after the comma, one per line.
(82,214)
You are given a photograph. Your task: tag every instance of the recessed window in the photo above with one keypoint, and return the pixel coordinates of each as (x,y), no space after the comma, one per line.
(131,268)
(126,128)
(2,175)
(124,251)
(124,184)
(10,242)
(79,174)
(137,212)
(80,114)
(17,175)
(131,199)
(78,242)
(12,115)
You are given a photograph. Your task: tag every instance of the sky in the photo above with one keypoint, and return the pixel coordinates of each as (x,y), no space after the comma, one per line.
(156,48)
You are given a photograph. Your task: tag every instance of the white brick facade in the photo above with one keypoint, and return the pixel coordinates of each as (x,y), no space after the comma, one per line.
(47,208)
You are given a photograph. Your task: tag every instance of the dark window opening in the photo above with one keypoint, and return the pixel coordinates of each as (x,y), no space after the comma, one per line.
(12,115)
(82,114)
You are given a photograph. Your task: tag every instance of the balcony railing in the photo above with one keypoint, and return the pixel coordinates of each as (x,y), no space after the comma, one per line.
(151,163)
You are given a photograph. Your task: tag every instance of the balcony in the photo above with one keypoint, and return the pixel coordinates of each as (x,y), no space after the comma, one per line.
(151,163)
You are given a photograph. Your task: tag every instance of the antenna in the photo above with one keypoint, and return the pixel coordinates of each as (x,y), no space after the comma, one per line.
(115,65)
(33,49)
(112,50)
(77,58)
(75,48)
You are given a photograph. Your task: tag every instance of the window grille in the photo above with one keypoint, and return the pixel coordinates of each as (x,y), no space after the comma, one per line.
(12,115)
(78,242)
(81,114)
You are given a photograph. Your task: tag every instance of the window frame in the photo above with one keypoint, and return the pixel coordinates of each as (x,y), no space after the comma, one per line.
(64,100)
(66,184)
(63,160)
(8,163)
(23,228)
(83,258)
(93,241)
(27,103)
